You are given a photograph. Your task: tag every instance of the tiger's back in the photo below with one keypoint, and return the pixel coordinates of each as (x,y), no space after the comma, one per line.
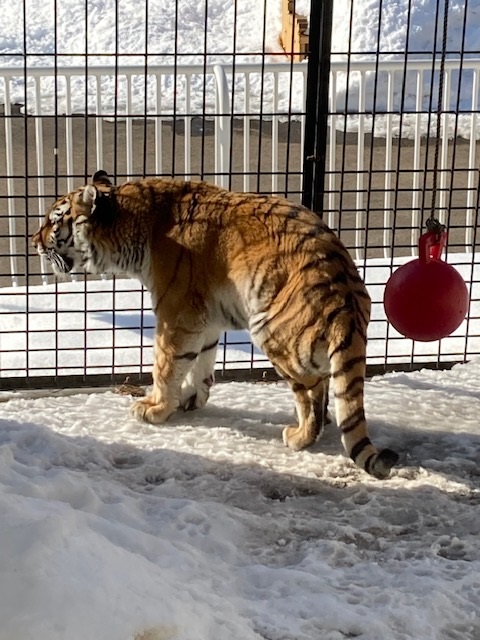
(214,260)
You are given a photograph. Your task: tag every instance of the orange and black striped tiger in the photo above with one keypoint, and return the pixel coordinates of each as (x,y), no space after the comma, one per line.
(215,260)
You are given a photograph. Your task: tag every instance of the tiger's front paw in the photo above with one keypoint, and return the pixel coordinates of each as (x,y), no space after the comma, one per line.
(147,411)
(195,396)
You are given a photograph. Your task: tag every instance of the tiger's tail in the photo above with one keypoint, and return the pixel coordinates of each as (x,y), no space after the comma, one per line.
(347,355)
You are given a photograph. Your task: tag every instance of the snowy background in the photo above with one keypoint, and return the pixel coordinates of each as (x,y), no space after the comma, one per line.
(105,326)
(204,32)
(105,27)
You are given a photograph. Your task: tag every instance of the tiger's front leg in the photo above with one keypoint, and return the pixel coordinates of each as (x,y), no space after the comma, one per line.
(199,380)
(174,351)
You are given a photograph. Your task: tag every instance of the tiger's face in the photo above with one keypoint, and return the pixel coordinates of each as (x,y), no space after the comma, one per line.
(56,237)
(62,237)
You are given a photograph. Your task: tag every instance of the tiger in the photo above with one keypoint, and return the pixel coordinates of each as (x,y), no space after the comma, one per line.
(216,260)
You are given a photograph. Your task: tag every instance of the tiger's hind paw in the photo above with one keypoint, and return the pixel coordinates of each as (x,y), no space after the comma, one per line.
(297,439)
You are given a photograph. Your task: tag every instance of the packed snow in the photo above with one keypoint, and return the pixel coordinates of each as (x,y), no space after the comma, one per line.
(208,528)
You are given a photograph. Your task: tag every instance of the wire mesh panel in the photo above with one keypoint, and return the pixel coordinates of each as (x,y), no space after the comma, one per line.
(201,91)
(403,144)
(206,91)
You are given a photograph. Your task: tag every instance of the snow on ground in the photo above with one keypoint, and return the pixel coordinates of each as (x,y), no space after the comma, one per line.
(209,528)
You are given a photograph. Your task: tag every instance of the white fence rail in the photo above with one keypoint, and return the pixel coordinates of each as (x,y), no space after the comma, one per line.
(43,334)
(399,107)
(404,106)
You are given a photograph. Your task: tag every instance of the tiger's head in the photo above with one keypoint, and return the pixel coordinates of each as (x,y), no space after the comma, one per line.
(63,237)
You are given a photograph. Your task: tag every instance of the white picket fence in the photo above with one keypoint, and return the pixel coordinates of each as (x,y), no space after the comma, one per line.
(74,343)
(273,92)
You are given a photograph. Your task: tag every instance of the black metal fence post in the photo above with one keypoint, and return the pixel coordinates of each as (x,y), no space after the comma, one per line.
(316,121)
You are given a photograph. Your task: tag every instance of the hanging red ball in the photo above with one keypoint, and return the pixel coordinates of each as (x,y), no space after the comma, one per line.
(426,299)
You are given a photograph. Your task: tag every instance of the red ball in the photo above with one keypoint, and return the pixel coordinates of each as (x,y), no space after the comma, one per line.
(426,301)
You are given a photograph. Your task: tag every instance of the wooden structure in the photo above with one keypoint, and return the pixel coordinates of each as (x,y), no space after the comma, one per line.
(294,36)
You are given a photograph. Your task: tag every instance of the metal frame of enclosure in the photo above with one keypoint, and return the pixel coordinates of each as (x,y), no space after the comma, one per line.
(352,134)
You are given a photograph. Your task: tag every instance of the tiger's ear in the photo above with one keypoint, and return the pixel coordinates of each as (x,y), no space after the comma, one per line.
(89,195)
(100,203)
(101,177)
(90,192)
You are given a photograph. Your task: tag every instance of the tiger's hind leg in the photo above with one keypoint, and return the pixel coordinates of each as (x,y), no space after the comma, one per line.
(345,362)
(199,380)
(310,392)
(311,401)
